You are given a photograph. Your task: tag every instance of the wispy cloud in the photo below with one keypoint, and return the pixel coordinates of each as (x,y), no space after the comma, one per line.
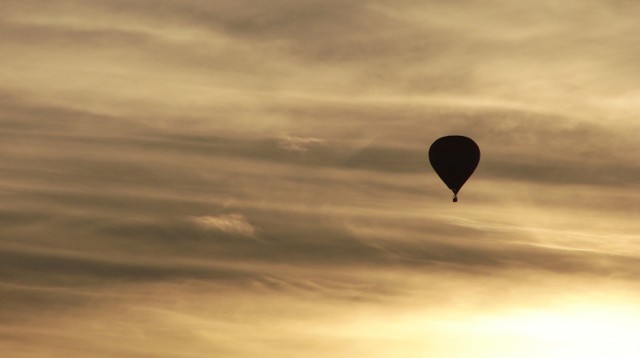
(179,177)
(234,223)
(298,144)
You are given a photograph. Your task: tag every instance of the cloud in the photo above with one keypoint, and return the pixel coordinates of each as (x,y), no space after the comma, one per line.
(298,144)
(234,223)
(165,165)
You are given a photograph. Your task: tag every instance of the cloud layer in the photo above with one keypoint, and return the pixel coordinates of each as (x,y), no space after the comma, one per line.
(197,178)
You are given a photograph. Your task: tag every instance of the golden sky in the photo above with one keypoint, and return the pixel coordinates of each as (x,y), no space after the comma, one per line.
(249,178)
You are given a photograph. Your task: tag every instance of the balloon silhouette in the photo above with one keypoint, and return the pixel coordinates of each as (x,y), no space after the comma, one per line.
(454,158)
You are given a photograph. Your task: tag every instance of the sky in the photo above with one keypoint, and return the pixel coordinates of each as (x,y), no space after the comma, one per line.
(250,178)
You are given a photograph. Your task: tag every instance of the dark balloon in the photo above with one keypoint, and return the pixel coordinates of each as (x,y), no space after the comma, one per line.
(454,158)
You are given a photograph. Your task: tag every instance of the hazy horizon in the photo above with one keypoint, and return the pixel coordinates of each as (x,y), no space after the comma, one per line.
(250,178)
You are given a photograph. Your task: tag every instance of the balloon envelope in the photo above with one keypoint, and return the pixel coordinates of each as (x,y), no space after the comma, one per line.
(454,158)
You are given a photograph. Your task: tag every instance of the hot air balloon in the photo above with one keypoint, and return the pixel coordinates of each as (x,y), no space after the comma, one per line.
(454,158)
